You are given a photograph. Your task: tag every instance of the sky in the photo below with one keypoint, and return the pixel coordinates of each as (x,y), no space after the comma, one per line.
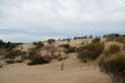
(33,20)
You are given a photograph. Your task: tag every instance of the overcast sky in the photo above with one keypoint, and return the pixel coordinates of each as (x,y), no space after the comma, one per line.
(30,20)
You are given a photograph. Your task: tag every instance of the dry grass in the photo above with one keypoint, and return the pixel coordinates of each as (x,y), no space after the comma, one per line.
(90,51)
(120,39)
(114,65)
(36,57)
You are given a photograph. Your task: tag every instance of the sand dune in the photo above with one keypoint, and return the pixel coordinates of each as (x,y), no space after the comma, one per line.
(74,72)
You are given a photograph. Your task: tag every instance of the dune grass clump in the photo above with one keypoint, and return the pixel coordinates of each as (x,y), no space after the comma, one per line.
(71,50)
(15,56)
(66,46)
(90,52)
(36,57)
(112,49)
(96,40)
(15,53)
(112,61)
(38,44)
(114,65)
(51,41)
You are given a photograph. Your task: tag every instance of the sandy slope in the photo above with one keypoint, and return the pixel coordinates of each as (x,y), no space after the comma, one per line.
(74,72)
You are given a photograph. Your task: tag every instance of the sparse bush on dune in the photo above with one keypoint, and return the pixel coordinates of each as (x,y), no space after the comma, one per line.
(51,41)
(66,46)
(38,44)
(71,50)
(112,61)
(90,51)
(96,40)
(14,53)
(15,56)
(112,49)
(114,65)
(36,57)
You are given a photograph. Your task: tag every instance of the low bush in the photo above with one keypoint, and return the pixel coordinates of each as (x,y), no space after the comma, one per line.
(90,51)
(96,40)
(113,49)
(66,46)
(12,54)
(71,50)
(35,57)
(36,61)
(114,65)
(38,44)
(51,41)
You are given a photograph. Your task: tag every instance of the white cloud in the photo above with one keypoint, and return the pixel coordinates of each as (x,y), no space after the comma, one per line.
(52,16)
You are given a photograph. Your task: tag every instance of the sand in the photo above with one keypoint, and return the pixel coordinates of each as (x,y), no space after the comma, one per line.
(74,72)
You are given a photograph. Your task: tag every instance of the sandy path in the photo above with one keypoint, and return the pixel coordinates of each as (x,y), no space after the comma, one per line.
(51,73)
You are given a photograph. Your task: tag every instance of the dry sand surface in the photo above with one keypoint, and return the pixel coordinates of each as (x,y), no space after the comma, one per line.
(74,72)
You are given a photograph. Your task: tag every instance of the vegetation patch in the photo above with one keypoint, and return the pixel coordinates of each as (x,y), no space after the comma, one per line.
(114,65)
(35,57)
(115,37)
(90,51)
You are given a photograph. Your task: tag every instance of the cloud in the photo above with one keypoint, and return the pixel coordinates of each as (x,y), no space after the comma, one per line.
(33,19)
